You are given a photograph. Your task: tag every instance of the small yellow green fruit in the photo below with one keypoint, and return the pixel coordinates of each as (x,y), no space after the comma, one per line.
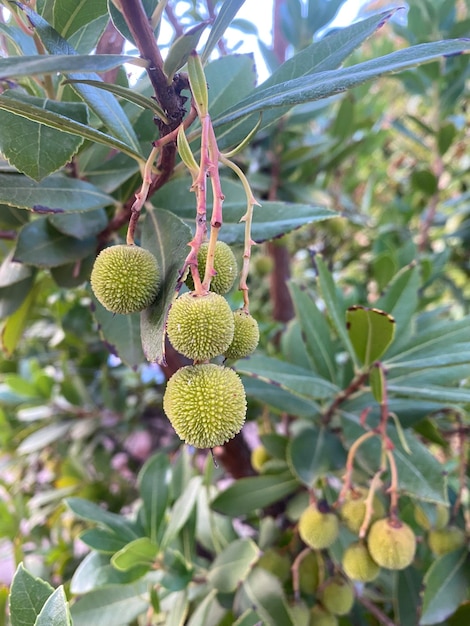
(337,596)
(245,336)
(446,540)
(353,510)
(439,520)
(309,572)
(392,544)
(225,266)
(200,327)
(300,614)
(318,527)
(358,564)
(276,563)
(259,456)
(263,265)
(125,279)
(320,617)
(206,404)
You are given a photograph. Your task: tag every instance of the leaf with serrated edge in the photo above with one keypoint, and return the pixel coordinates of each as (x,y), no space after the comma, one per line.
(371,331)
(55,611)
(27,597)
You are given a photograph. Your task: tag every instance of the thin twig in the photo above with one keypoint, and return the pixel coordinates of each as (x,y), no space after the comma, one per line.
(376,612)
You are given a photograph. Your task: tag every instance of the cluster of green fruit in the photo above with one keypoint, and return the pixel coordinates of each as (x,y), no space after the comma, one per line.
(205,402)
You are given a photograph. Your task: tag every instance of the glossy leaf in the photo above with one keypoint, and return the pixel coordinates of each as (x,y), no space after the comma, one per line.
(55,194)
(181,511)
(167,238)
(102,540)
(14,67)
(28,595)
(114,604)
(181,48)
(80,225)
(279,399)
(313,452)
(371,331)
(446,585)
(96,571)
(227,12)
(267,598)
(48,149)
(232,565)
(377,382)
(70,15)
(119,21)
(12,272)
(41,245)
(153,483)
(121,334)
(408,584)
(55,611)
(14,325)
(86,38)
(141,551)
(93,513)
(248,494)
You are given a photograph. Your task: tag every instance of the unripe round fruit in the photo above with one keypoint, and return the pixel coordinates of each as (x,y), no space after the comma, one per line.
(358,564)
(318,527)
(309,572)
(320,617)
(245,335)
(446,540)
(353,510)
(125,279)
(263,265)
(200,327)
(259,456)
(276,563)
(206,404)
(392,544)
(300,614)
(441,517)
(225,264)
(337,596)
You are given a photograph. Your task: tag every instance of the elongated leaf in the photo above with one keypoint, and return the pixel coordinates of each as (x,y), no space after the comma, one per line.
(371,331)
(293,378)
(314,452)
(14,67)
(86,38)
(181,511)
(141,551)
(14,325)
(325,84)
(102,540)
(104,104)
(446,586)
(181,48)
(167,238)
(226,14)
(267,597)
(95,570)
(279,399)
(70,15)
(55,611)
(408,584)
(232,565)
(48,149)
(93,513)
(248,494)
(27,597)
(80,225)
(119,21)
(432,392)
(66,125)
(154,480)
(114,604)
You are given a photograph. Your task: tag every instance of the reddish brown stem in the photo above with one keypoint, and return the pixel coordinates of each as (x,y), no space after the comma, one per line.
(353,386)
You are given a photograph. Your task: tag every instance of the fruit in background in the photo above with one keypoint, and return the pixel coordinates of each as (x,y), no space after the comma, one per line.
(125,278)
(320,617)
(276,563)
(442,541)
(391,543)
(206,404)
(353,509)
(337,596)
(200,327)
(318,526)
(225,265)
(309,572)
(259,456)
(358,564)
(245,336)
(439,520)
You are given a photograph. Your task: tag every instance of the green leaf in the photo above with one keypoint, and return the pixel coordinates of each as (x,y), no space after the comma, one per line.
(67,125)
(121,333)
(248,494)
(80,225)
(182,509)
(41,245)
(167,238)
(232,566)
(48,149)
(314,452)
(95,570)
(44,436)
(227,12)
(328,83)
(119,21)
(154,479)
(55,611)
(181,48)
(93,513)
(446,585)
(292,378)
(14,67)
(408,585)
(377,382)
(315,331)
(86,38)
(102,540)
(267,598)
(14,325)
(432,392)
(279,399)
(70,15)
(141,551)
(55,194)
(28,595)
(371,331)
(104,104)
(115,604)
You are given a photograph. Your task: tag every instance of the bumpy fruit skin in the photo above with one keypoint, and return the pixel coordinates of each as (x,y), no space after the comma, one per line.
(309,572)
(337,596)
(440,521)
(318,529)
(200,327)
(392,544)
(125,279)
(206,404)
(245,335)
(446,540)
(353,510)
(225,264)
(320,617)
(259,456)
(358,564)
